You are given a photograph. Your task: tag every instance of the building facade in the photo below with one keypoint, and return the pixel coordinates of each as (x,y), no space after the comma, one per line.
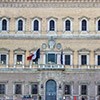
(68,35)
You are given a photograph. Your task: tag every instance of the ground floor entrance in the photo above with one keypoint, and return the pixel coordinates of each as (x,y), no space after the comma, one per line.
(51,90)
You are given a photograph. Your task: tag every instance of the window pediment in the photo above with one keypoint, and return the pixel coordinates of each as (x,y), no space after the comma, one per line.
(84,50)
(84,17)
(68,17)
(97,18)
(50,18)
(69,83)
(36,17)
(68,50)
(84,82)
(97,50)
(19,51)
(4,50)
(5,17)
(20,17)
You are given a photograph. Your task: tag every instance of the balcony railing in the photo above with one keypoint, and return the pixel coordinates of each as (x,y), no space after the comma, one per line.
(51,66)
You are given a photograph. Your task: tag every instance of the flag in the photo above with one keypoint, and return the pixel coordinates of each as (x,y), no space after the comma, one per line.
(34,56)
(75,98)
(61,57)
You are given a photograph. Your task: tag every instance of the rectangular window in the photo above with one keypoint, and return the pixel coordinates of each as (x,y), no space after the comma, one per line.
(67,60)
(98,90)
(2,89)
(34,88)
(52,58)
(67,90)
(83,89)
(98,63)
(19,59)
(18,88)
(83,59)
(3,59)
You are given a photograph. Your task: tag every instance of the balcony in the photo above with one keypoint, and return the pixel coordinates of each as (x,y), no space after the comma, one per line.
(51,67)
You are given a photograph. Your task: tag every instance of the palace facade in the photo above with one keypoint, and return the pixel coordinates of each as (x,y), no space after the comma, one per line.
(68,35)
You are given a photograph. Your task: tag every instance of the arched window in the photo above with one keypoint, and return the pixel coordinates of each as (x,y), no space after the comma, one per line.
(36,25)
(52,25)
(67,25)
(98,25)
(20,25)
(84,25)
(4,25)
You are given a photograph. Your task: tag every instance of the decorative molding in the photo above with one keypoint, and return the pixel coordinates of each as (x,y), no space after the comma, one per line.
(83,50)
(19,50)
(51,4)
(58,36)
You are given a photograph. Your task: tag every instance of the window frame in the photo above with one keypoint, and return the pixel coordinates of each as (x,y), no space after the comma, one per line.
(5,91)
(7,19)
(39,25)
(55,22)
(22,52)
(46,59)
(87,26)
(23,29)
(97,19)
(22,88)
(65,25)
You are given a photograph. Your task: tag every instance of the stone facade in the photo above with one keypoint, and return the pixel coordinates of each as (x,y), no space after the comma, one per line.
(74,43)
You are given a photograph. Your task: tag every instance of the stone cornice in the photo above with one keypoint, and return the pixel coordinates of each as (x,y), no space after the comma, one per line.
(41,36)
(50,4)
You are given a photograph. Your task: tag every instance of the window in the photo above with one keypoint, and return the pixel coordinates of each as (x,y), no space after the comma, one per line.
(36,25)
(52,25)
(52,58)
(19,59)
(2,88)
(98,25)
(20,25)
(34,88)
(83,59)
(4,25)
(67,60)
(98,90)
(83,89)
(83,25)
(67,25)
(67,90)
(18,88)
(98,59)
(3,59)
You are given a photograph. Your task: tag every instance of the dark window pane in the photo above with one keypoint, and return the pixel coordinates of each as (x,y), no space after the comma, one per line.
(19,58)
(99,25)
(52,25)
(83,89)
(67,25)
(2,88)
(52,58)
(3,59)
(84,25)
(4,25)
(18,89)
(34,89)
(36,25)
(20,25)
(67,89)
(98,90)
(83,59)
(67,59)
(98,59)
